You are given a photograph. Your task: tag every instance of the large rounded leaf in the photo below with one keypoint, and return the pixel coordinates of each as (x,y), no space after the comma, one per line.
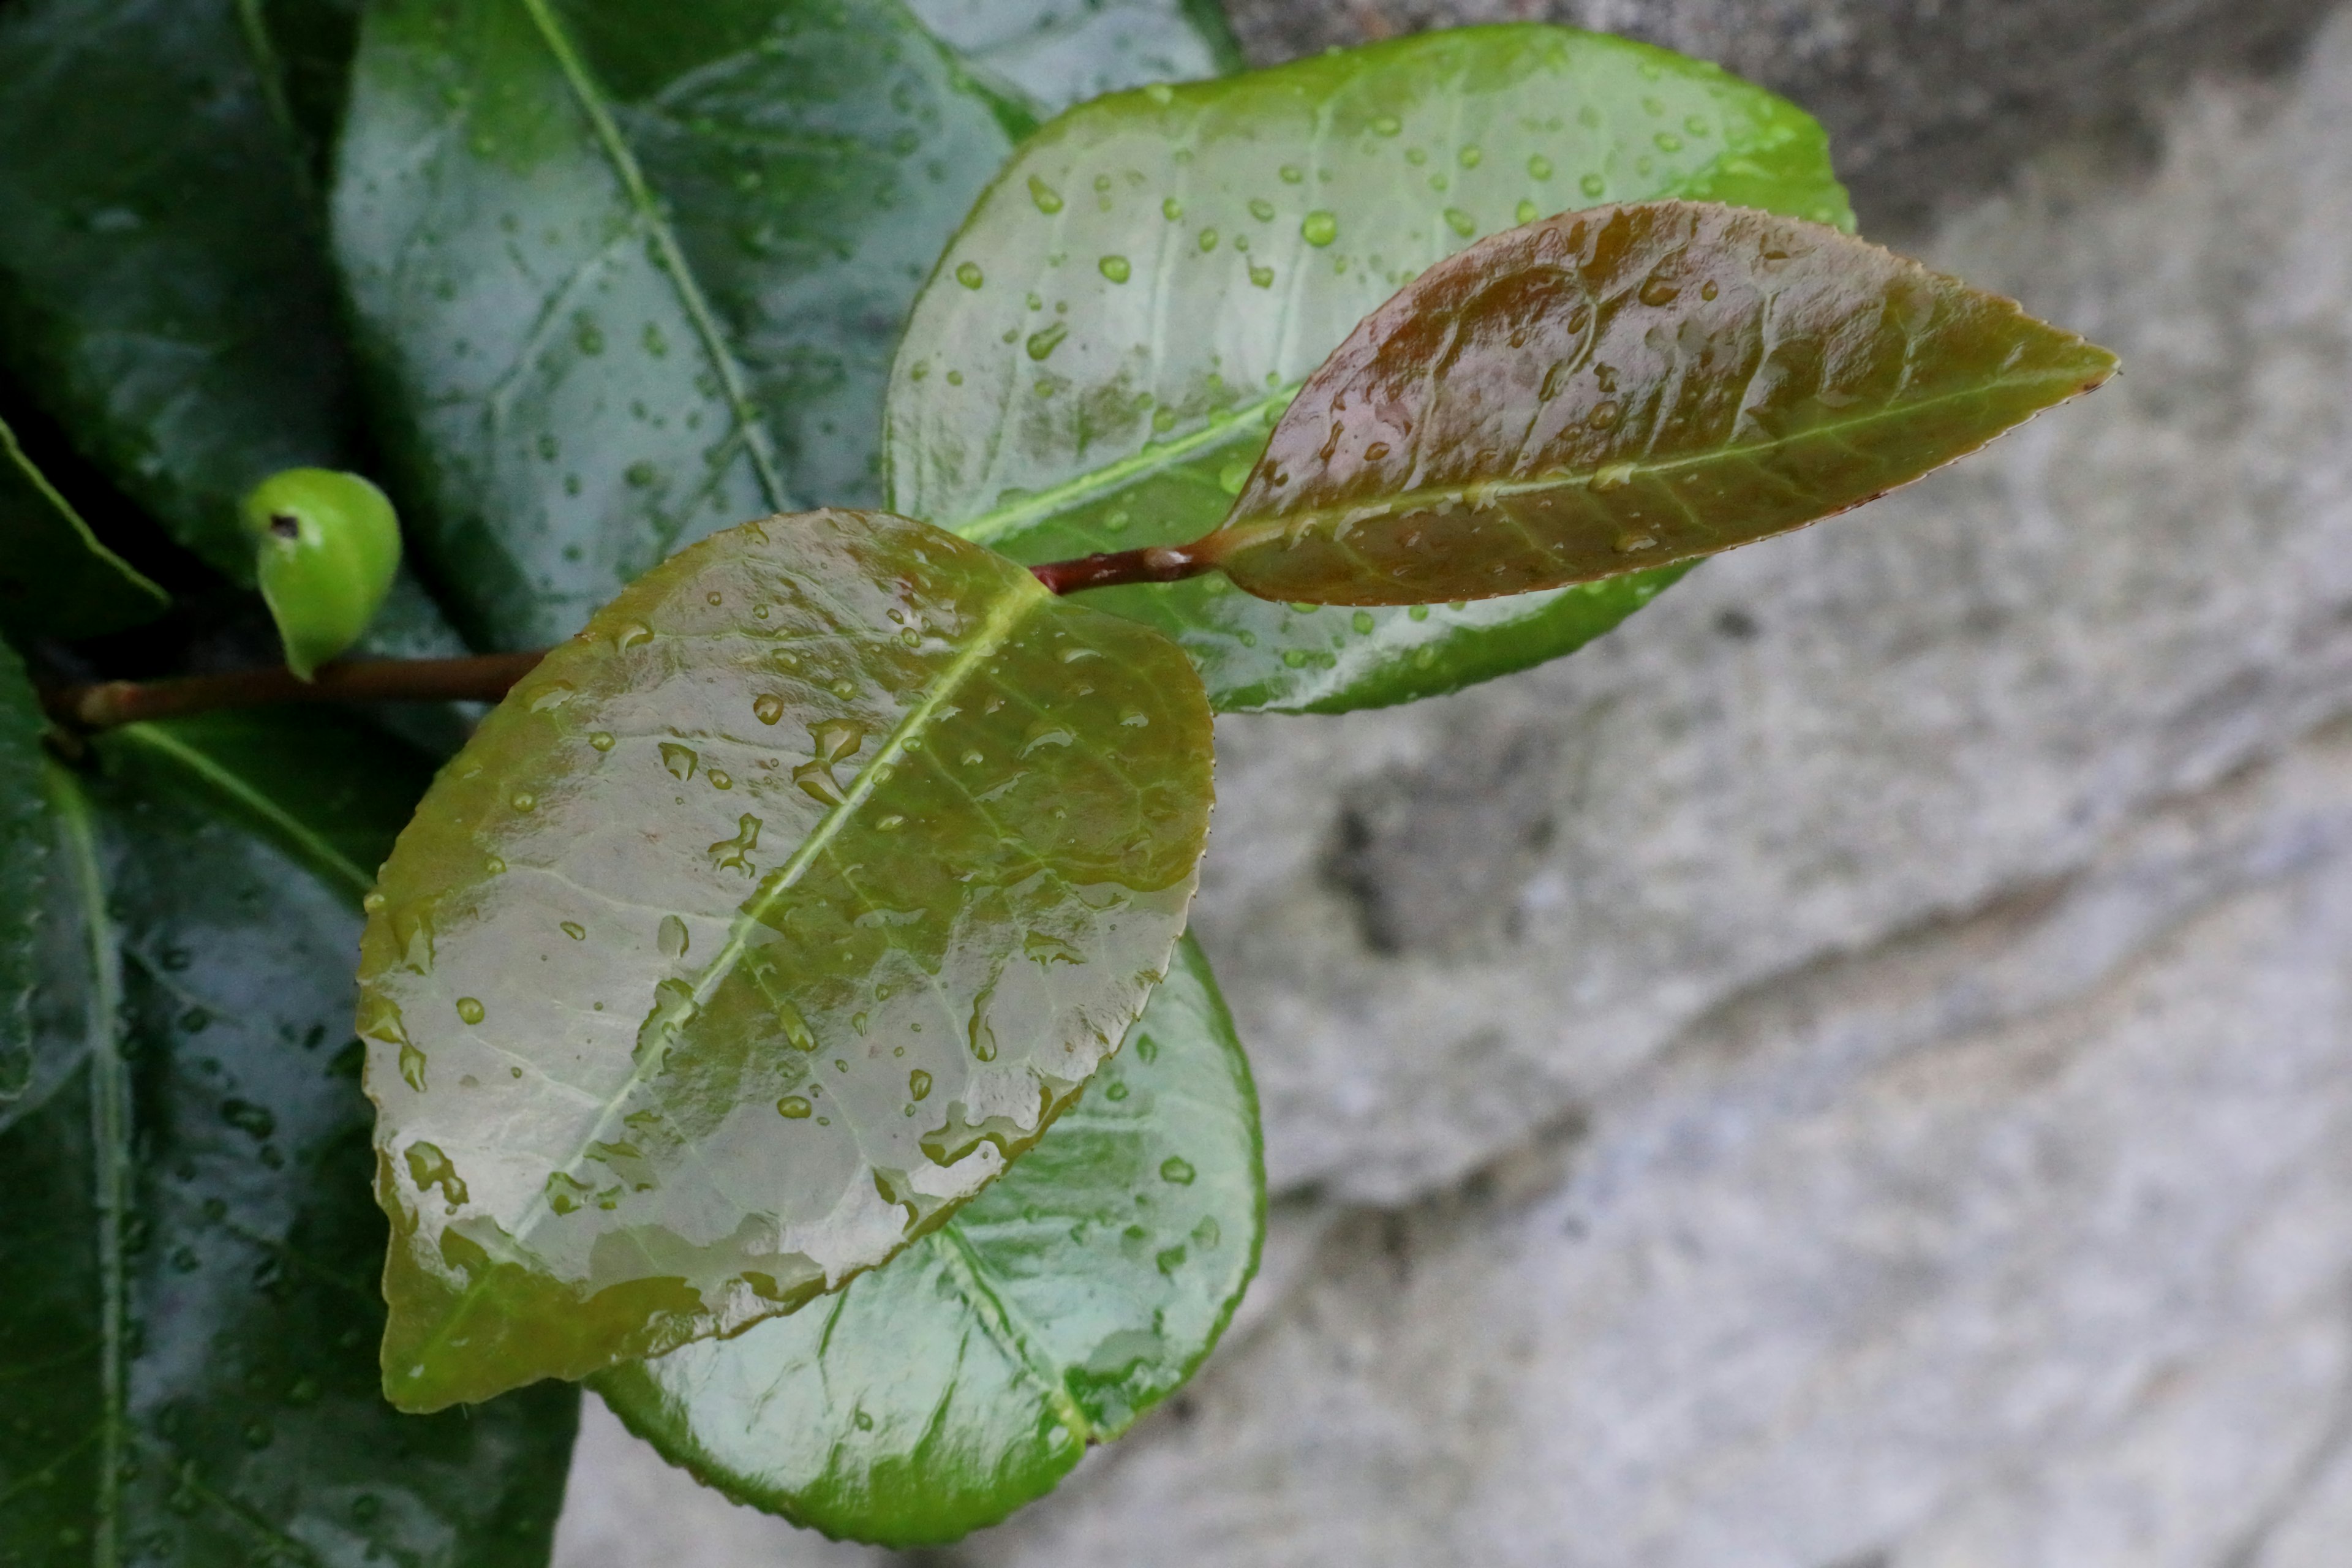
(628,271)
(165,291)
(1625,386)
(941,1393)
(55,578)
(756,929)
(1109,341)
(185,1339)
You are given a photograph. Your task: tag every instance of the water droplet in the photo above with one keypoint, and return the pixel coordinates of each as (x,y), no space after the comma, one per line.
(412,1066)
(671,938)
(1362,622)
(428,1167)
(1668,142)
(1176,1168)
(1386,124)
(1171,209)
(523,800)
(843,689)
(1460,222)
(1634,544)
(1605,414)
(471,1009)
(640,474)
(1160,93)
(1318,228)
(1658,292)
(679,760)
(793,1108)
(576,930)
(1208,239)
(1261,275)
(373,903)
(969,275)
(494,865)
(1470,155)
(919,1083)
(602,739)
(719,778)
(1539,167)
(1418,613)
(629,634)
(1048,199)
(1114,267)
(735,853)
(1261,209)
(1593,186)
(1046,339)
(1707,291)
(1527,211)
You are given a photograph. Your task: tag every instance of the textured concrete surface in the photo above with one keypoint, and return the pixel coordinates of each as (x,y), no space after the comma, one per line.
(1854,1070)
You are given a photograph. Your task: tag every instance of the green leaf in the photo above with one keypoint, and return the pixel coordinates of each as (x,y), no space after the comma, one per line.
(754,930)
(1061,52)
(24,870)
(628,271)
(939,1393)
(1126,408)
(1627,386)
(163,284)
(56,579)
(189,1247)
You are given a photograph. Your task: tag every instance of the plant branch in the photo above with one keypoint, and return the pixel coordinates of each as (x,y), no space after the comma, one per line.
(104,704)
(1153,563)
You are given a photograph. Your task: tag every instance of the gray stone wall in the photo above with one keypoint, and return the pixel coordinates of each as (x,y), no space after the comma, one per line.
(1854,1070)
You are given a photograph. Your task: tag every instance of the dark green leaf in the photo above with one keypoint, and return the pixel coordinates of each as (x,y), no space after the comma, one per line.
(24,871)
(189,1244)
(755,930)
(1627,386)
(1061,52)
(163,285)
(55,578)
(939,1393)
(1125,406)
(629,271)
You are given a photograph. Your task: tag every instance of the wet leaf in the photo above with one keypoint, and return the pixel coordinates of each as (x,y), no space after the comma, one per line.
(1061,52)
(1630,384)
(939,1393)
(187,1336)
(628,272)
(819,803)
(1046,408)
(24,871)
(55,578)
(164,290)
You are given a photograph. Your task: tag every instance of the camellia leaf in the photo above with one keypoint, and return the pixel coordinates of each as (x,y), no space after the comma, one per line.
(25,837)
(1626,385)
(189,1244)
(55,578)
(941,1393)
(164,290)
(1061,52)
(629,271)
(1107,342)
(754,930)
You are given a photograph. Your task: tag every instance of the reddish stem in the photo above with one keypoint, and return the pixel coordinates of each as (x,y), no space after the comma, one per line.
(1153,563)
(106,703)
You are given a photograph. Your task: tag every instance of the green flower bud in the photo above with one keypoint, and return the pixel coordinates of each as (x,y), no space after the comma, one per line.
(327,545)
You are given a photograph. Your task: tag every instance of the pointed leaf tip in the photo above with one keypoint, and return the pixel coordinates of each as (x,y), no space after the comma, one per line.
(1623,388)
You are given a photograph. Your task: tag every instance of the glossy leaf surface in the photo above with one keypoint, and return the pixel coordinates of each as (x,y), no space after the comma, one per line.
(755,930)
(186,1338)
(25,836)
(1623,385)
(55,578)
(941,1393)
(1061,52)
(628,272)
(1110,338)
(165,289)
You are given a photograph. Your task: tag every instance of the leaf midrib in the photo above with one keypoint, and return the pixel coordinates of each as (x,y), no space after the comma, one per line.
(591,98)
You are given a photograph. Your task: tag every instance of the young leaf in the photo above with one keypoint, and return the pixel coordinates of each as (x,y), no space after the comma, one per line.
(24,871)
(1626,386)
(1194,253)
(163,284)
(56,579)
(939,1393)
(629,271)
(756,929)
(189,1244)
(1061,52)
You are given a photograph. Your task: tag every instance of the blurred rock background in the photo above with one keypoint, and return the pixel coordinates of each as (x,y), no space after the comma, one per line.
(1854,1070)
